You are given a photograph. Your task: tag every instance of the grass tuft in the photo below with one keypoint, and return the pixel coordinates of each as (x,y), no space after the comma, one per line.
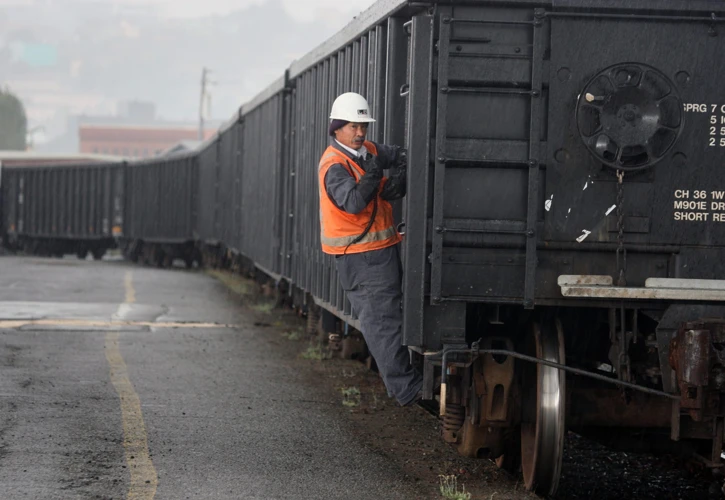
(263,307)
(235,283)
(350,396)
(294,336)
(314,352)
(449,489)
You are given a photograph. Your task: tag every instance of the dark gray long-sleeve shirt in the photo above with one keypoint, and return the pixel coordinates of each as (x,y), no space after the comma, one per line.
(342,188)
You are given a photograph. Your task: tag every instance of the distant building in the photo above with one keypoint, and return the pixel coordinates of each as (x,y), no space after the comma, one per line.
(134,128)
(134,141)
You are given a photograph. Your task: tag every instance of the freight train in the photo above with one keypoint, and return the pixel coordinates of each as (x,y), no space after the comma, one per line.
(564,252)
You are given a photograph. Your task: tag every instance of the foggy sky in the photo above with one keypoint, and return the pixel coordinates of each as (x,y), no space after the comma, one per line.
(66,58)
(333,12)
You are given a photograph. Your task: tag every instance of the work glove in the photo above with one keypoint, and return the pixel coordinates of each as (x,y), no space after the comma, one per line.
(371,165)
(368,185)
(401,159)
(395,187)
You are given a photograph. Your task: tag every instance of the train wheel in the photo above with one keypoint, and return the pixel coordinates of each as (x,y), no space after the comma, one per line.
(156,256)
(135,252)
(543,400)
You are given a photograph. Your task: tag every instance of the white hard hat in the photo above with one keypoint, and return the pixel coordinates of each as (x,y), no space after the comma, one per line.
(351,107)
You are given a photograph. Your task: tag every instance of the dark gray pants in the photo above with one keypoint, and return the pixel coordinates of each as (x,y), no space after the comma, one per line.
(372,283)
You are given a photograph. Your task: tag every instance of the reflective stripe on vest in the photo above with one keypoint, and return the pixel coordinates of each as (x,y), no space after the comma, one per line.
(344,241)
(339,229)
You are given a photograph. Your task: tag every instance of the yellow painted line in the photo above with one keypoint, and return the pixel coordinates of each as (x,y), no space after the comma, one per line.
(144,479)
(17,323)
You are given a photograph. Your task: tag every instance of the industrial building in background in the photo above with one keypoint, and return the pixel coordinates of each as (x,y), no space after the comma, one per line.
(135,132)
(133,141)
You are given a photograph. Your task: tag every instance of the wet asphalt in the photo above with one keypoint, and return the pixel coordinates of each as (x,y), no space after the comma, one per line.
(221,413)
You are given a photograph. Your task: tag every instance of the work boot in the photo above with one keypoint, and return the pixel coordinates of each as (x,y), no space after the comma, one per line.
(429,405)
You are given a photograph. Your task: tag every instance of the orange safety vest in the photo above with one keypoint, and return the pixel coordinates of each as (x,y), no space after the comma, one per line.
(338,229)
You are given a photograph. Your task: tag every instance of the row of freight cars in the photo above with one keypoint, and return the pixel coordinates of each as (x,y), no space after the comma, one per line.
(60,209)
(563,255)
(54,210)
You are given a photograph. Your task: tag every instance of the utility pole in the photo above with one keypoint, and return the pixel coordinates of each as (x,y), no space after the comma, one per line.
(30,142)
(202,98)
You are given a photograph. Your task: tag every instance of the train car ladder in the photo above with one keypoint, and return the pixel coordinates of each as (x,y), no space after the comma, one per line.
(534,151)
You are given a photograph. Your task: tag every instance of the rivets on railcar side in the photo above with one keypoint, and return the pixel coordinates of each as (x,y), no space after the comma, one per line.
(533,163)
(441,159)
(561,155)
(682,78)
(564,74)
(539,15)
(446,20)
(530,233)
(679,160)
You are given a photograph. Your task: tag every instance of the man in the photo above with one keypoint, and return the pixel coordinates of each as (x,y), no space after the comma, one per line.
(357,227)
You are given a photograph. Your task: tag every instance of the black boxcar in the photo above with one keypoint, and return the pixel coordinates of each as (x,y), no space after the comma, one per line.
(369,57)
(65,208)
(564,204)
(562,209)
(160,208)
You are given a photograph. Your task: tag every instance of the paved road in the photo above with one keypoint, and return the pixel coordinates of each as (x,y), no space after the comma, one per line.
(119,381)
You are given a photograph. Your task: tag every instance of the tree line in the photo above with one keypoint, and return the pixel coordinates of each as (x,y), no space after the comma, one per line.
(13,122)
